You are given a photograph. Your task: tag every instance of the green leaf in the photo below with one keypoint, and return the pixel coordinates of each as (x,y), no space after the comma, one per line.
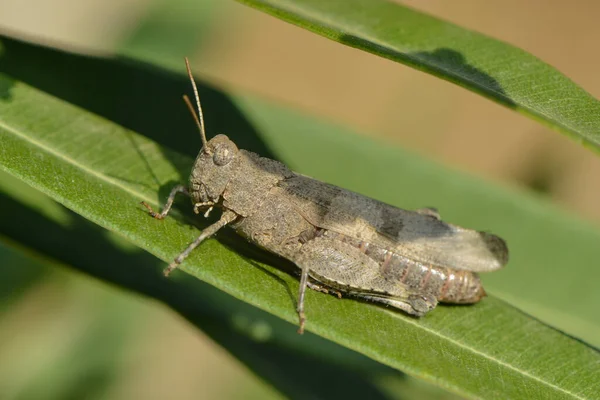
(285,362)
(102,171)
(496,70)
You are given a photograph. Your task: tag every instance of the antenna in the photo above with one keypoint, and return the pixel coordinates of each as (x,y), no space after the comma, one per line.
(199,121)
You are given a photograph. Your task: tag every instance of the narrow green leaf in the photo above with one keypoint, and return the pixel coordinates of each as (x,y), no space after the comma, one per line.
(102,171)
(267,345)
(499,71)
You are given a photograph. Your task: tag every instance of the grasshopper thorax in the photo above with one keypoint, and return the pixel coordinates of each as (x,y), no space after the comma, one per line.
(212,170)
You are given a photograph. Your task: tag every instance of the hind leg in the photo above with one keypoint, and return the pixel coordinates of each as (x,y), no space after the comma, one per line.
(338,265)
(417,305)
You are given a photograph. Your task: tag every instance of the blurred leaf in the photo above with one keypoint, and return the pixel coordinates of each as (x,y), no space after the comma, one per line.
(44,334)
(496,70)
(488,350)
(16,282)
(172,28)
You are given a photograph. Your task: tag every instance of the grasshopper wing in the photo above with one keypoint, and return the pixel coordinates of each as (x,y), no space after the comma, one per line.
(418,235)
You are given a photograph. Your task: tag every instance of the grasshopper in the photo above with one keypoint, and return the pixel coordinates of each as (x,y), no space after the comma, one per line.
(341,241)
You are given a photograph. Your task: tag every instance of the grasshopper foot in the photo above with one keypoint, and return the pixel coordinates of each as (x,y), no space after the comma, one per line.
(302,322)
(152,213)
(167,271)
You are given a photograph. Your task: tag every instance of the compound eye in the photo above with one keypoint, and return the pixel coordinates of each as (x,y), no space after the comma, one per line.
(222,155)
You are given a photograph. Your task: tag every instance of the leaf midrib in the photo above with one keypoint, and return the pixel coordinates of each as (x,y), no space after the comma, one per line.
(74,162)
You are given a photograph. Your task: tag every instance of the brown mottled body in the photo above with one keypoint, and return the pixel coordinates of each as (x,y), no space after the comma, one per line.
(278,221)
(340,240)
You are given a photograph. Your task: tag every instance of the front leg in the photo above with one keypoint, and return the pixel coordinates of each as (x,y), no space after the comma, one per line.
(174,192)
(227,217)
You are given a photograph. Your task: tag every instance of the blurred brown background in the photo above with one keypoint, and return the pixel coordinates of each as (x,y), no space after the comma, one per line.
(252,51)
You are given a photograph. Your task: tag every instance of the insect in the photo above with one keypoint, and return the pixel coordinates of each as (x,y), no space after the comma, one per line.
(341,241)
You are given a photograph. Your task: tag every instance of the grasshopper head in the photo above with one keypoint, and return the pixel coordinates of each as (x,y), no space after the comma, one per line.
(214,166)
(213,169)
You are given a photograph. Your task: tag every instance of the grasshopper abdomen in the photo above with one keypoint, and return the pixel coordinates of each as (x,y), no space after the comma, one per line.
(445,284)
